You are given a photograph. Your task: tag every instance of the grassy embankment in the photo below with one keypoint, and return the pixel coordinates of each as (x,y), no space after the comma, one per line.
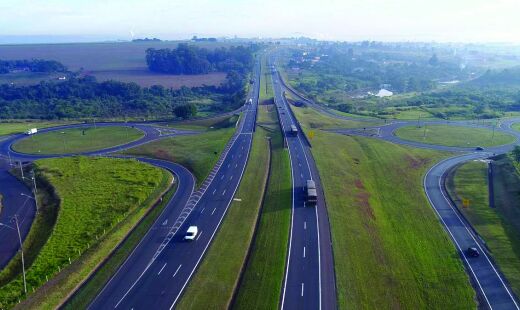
(261,283)
(454,135)
(8,128)
(197,153)
(390,250)
(205,124)
(218,275)
(499,226)
(88,224)
(77,140)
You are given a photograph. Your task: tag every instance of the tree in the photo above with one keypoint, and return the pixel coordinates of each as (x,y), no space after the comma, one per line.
(516,153)
(185,111)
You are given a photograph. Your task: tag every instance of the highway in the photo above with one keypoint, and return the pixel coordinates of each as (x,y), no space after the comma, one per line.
(486,277)
(157,272)
(309,280)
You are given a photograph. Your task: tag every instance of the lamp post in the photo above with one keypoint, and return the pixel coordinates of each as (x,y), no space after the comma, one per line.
(15,220)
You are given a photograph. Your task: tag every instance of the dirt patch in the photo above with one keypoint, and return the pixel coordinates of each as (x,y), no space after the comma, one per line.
(415,163)
(363,200)
(162,154)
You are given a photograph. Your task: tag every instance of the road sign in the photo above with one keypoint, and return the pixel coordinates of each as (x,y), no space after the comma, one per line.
(311,134)
(465,203)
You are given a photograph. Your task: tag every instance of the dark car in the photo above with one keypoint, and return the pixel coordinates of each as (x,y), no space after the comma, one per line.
(472,252)
(479,148)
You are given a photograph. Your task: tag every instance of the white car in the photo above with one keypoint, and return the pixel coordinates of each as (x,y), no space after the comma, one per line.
(191,233)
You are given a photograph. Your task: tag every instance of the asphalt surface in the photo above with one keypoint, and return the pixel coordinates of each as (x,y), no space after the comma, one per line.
(157,272)
(24,207)
(309,281)
(490,283)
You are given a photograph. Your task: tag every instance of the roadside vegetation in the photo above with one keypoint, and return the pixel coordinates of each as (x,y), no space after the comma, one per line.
(197,153)
(208,124)
(77,140)
(498,226)
(389,247)
(217,277)
(449,135)
(89,224)
(313,120)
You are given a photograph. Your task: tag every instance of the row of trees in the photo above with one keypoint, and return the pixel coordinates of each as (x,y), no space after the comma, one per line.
(190,59)
(34,65)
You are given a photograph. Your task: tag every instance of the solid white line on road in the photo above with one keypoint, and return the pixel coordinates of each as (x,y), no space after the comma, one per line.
(162,269)
(224,192)
(199,236)
(213,211)
(214,191)
(302,288)
(303,252)
(222,177)
(175,273)
(202,211)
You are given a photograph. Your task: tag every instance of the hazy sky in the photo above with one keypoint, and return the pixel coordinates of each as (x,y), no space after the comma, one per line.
(439,20)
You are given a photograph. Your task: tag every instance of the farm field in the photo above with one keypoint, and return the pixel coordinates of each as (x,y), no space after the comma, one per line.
(123,61)
(77,140)
(383,228)
(449,135)
(498,226)
(218,275)
(88,224)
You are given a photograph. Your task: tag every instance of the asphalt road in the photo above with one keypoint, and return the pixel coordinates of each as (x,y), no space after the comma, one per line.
(24,206)
(157,272)
(309,281)
(490,283)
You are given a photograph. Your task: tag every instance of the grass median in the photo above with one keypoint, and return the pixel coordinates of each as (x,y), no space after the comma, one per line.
(449,135)
(89,224)
(217,277)
(77,140)
(261,283)
(499,226)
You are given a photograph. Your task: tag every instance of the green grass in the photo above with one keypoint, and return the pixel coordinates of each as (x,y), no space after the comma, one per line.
(315,120)
(216,279)
(261,284)
(77,140)
(499,226)
(390,250)
(454,135)
(197,153)
(218,122)
(19,127)
(90,222)
(516,126)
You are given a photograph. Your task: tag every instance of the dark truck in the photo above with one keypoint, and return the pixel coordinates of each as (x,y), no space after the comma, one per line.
(311,193)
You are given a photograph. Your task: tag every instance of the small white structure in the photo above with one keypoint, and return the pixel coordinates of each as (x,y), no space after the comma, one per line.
(31,131)
(384,93)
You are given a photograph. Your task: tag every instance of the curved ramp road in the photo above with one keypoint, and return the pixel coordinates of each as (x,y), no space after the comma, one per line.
(491,284)
(24,205)
(157,272)
(309,281)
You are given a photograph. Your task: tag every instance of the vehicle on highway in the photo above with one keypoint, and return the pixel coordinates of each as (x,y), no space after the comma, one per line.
(311,193)
(191,233)
(293,131)
(472,252)
(250,101)
(31,131)
(479,148)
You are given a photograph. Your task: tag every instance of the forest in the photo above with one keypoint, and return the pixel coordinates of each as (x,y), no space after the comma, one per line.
(190,59)
(34,65)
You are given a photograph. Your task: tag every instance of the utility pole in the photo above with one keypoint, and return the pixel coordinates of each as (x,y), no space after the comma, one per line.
(21,170)
(10,162)
(424,133)
(21,251)
(493,135)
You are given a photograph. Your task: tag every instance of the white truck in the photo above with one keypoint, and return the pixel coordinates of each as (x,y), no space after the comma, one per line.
(31,131)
